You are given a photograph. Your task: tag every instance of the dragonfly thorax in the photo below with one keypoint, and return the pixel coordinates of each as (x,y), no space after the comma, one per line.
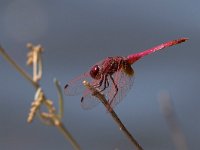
(112,64)
(108,67)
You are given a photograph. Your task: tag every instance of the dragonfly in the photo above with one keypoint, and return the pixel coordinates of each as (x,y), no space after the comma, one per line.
(113,77)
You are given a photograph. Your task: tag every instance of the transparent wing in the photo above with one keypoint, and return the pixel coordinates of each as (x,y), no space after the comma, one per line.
(124,83)
(89,101)
(75,86)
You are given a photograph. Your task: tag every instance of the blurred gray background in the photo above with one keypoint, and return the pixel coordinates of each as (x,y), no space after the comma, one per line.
(77,34)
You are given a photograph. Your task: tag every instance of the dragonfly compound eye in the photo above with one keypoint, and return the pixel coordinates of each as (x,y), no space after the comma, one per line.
(94,72)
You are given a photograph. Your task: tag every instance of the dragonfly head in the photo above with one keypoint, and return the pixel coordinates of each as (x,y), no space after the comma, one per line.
(95,72)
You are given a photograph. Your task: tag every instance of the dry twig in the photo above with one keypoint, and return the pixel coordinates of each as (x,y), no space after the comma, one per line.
(170,116)
(102,98)
(50,117)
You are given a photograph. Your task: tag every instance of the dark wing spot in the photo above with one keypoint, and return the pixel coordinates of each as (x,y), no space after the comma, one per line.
(66,86)
(82,99)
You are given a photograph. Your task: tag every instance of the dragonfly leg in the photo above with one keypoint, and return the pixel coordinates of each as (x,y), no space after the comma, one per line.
(106,83)
(100,83)
(116,89)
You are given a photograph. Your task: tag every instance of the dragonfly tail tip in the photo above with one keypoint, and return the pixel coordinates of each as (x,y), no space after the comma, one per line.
(183,40)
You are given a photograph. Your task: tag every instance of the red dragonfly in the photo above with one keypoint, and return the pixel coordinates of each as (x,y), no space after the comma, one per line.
(112,76)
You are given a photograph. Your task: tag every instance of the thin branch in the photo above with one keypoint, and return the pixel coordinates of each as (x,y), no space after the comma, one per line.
(35,59)
(52,119)
(49,118)
(102,98)
(170,116)
(60,98)
(68,136)
(18,68)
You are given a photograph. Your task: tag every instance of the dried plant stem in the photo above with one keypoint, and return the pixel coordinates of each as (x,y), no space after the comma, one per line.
(60,99)
(102,98)
(170,116)
(18,68)
(53,118)
(68,136)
